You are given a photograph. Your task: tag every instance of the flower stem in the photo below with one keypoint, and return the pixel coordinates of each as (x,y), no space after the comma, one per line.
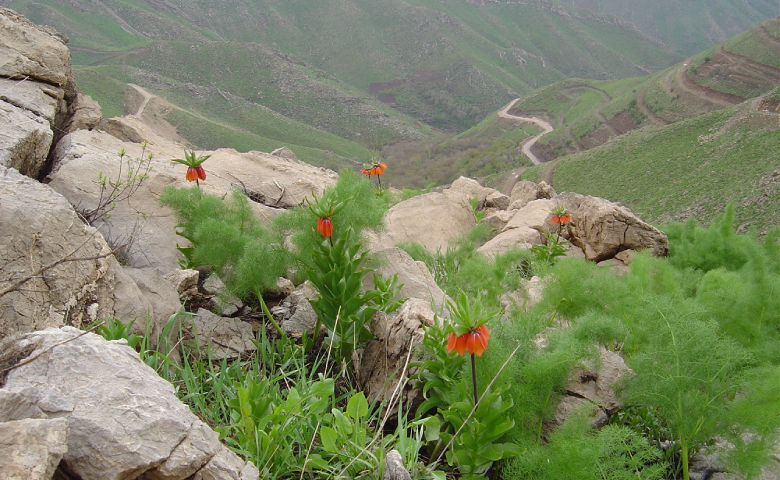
(474,379)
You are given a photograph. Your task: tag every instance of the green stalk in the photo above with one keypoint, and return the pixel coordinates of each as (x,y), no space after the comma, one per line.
(474,379)
(268,313)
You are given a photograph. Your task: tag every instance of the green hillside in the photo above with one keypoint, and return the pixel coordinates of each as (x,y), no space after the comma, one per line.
(690,26)
(587,113)
(446,64)
(693,168)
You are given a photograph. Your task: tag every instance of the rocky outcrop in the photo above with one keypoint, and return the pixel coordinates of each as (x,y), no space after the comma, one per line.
(221,337)
(523,230)
(594,384)
(148,229)
(122,420)
(31,448)
(380,364)
(414,277)
(73,278)
(39,99)
(602,229)
(431,219)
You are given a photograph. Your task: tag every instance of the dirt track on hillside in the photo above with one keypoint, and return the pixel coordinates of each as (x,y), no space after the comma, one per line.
(526,146)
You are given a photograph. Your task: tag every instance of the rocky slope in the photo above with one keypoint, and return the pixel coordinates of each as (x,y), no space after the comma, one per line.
(58,272)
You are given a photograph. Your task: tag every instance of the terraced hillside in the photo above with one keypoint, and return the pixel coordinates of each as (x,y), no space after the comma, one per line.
(587,113)
(692,168)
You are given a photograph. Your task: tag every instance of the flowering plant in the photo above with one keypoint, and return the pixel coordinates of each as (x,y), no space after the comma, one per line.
(195,171)
(324,208)
(554,245)
(375,168)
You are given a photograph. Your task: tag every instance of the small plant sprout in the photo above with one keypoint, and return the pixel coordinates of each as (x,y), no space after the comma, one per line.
(195,171)
(132,174)
(375,168)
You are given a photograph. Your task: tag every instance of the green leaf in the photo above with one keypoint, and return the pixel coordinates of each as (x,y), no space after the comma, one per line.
(357,407)
(328,439)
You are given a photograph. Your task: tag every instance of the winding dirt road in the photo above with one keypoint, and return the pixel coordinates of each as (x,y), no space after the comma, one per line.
(526,146)
(146,97)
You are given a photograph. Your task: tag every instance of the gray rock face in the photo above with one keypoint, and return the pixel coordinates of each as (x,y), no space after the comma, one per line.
(523,230)
(394,467)
(432,219)
(602,229)
(223,337)
(295,313)
(31,449)
(594,384)
(123,420)
(380,363)
(148,228)
(38,94)
(33,51)
(524,192)
(77,292)
(415,277)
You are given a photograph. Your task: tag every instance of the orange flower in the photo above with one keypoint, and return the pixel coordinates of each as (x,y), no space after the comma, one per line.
(365,172)
(561,219)
(475,341)
(380,169)
(194,173)
(325,227)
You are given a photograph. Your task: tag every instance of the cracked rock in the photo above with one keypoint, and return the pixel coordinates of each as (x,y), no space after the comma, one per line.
(123,420)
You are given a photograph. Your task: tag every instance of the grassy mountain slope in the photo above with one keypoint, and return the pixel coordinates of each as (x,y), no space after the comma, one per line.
(692,168)
(690,26)
(450,63)
(587,113)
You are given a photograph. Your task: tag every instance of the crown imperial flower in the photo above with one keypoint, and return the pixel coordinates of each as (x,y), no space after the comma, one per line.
(474,341)
(325,227)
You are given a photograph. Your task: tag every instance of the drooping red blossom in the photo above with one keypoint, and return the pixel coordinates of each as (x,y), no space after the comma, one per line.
(365,172)
(325,227)
(561,219)
(475,341)
(194,173)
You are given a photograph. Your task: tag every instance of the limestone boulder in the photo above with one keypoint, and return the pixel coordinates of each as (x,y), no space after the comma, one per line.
(295,314)
(38,230)
(524,230)
(185,282)
(124,421)
(140,222)
(497,220)
(602,229)
(39,98)
(31,449)
(25,139)
(524,192)
(432,219)
(594,384)
(159,292)
(221,337)
(382,360)
(415,278)
(497,200)
(33,51)
(466,189)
